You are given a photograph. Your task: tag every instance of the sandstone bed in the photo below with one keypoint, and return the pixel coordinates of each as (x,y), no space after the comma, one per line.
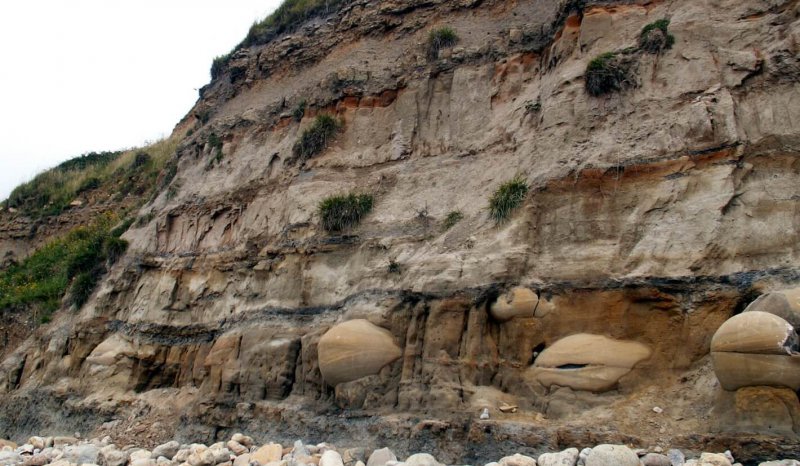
(654,216)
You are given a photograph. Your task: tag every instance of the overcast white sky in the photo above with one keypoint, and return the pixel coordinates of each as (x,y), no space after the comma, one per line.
(92,75)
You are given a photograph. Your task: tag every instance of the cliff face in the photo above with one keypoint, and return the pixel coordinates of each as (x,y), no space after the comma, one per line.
(653,215)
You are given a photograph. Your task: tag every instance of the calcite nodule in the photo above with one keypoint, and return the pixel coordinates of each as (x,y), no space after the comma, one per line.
(756,349)
(355,349)
(587,362)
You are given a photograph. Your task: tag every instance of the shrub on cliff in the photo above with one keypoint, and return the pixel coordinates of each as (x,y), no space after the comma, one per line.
(439,39)
(218,65)
(609,72)
(452,218)
(299,111)
(507,197)
(655,37)
(316,137)
(343,211)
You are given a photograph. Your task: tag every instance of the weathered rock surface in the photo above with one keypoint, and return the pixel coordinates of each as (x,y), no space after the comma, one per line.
(331,458)
(612,455)
(655,459)
(421,459)
(268,454)
(380,457)
(568,457)
(517,460)
(766,410)
(168,450)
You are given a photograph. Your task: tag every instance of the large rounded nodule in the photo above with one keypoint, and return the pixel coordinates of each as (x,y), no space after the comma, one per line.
(587,362)
(355,349)
(518,302)
(756,349)
(783,303)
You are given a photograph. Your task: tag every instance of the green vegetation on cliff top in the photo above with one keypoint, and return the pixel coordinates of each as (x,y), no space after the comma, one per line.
(137,172)
(286,18)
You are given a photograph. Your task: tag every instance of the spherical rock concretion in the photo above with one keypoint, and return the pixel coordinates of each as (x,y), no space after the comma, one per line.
(518,302)
(756,349)
(587,362)
(783,303)
(754,332)
(355,349)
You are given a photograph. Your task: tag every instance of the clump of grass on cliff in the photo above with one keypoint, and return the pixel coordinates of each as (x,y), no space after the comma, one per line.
(506,198)
(452,218)
(343,211)
(299,110)
(219,63)
(609,72)
(215,144)
(120,173)
(316,137)
(73,262)
(655,37)
(440,38)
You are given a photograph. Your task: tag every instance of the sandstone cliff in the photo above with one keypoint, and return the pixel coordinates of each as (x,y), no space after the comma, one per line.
(654,214)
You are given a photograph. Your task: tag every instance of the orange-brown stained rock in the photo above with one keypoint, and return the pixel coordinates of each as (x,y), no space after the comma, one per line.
(387,97)
(355,349)
(368,101)
(349,102)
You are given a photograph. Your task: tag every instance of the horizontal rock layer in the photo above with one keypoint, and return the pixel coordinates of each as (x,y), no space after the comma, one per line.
(652,216)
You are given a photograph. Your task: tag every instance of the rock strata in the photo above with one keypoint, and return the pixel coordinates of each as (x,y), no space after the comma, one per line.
(650,216)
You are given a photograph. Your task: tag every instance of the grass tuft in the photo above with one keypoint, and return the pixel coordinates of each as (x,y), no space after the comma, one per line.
(439,39)
(607,73)
(452,218)
(506,198)
(342,211)
(316,138)
(299,110)
(219,64)
(655,37)
(394,267)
